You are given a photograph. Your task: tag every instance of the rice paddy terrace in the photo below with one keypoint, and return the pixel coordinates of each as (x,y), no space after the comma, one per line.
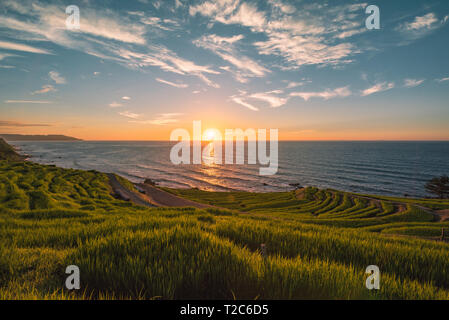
(416,217)
(318,242)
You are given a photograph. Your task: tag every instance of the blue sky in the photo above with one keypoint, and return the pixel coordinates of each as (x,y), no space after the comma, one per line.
(135,70)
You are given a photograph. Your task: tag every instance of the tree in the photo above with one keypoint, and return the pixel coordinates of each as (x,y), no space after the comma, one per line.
(439,186)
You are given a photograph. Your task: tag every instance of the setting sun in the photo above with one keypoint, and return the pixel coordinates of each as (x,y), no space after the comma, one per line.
(211,134)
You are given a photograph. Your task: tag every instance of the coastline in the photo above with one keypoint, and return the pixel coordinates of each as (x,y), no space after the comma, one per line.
(26,157)
(350,169)
(151,195)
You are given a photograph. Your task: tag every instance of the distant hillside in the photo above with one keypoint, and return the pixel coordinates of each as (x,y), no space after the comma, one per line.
(26,137)
(8,153)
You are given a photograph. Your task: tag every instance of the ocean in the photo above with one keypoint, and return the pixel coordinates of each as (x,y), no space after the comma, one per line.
(383,168)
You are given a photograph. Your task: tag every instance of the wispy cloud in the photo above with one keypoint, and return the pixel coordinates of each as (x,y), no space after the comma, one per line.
(300,37)
(163,24)
(29,101)
(167,60)
(115,105)
(161,119)
(274,98)
(421,22)
(230,12)
(103,34)
(224,47)
(22,47)
(270,98)
(443,79)
(384,86)
(299,51)
(45,89)
(350,33)
(327,94)
(177,85)
(56,77)
(129,114)
(49,23)
(4,55)
(295,84)
(420,26)
(410,83)
(239,100)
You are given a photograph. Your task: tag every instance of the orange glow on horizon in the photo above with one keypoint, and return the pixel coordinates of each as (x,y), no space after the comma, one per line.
(215,129)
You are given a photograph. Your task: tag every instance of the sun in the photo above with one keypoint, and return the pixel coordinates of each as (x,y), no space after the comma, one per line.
(211,134)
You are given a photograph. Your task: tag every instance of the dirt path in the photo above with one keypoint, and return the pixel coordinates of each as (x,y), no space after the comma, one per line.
(162,198)
(300,194)
(443,215)
(127,195)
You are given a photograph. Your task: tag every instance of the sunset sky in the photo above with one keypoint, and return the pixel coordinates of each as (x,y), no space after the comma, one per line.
(136,70)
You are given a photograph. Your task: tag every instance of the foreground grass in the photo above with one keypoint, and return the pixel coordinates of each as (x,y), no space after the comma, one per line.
(318,243)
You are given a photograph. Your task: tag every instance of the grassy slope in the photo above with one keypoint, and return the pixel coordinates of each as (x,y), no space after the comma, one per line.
(8,153)
(51,218)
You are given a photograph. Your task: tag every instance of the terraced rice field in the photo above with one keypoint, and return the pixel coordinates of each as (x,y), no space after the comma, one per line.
(334,208)
(318,242)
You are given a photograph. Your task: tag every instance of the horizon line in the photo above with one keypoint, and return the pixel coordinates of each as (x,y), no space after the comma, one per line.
(280,140)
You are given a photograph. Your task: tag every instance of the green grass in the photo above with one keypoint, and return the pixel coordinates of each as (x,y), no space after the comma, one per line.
(319,243)
(436,204)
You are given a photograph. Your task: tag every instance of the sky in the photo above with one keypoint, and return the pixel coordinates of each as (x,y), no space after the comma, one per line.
(136,70)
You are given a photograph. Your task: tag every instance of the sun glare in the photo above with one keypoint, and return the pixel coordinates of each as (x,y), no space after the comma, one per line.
(211,134)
